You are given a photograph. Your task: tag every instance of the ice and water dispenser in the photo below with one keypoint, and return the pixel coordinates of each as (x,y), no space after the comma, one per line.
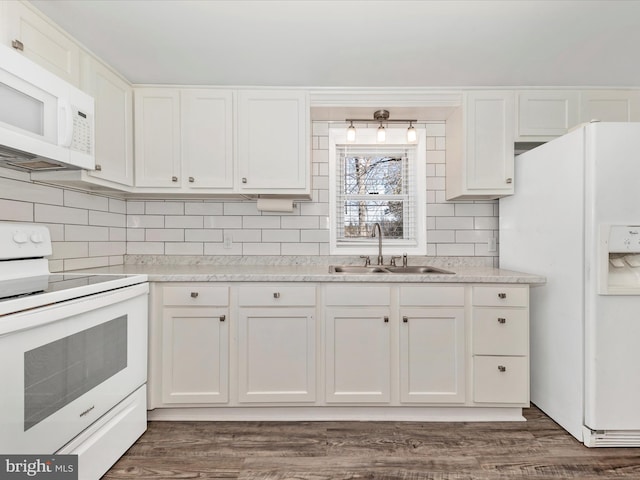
(619,260)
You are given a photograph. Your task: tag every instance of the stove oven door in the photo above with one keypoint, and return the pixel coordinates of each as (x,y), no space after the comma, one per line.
(63,366)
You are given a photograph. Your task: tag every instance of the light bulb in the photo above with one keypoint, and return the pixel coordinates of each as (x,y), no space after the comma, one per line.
(351,133)
(412,135)
(382,134)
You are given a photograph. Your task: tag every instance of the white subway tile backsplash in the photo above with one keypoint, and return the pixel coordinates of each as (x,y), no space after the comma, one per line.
(164,235)
(107,219)
(85,200)
(56,214)
(261,221)
(435,156)
(319,236)
(99,249)
(31,192)
(145,221)
(300,222)
(261,249)
(164,208)
(117,234)
(474,209)
(92,262)
(320,128)
(184,221)
(441,236)
(183,248)
(455,250)
(486,223)
(145,248)
(473,236)
(12,211)
(203,235)
(69,250)
(244,235)
(203,208)
(240,208)
(135,207)
(219,249)
(135,235)
(441,210)
(117,206)
(454,223)
(300,249)
(78,233)
(281,235)
(228,221)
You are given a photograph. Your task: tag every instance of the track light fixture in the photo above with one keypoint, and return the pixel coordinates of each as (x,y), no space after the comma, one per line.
(382,117)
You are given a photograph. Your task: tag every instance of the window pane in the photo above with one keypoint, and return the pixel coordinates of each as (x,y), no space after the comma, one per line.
(372,175)
(360,215)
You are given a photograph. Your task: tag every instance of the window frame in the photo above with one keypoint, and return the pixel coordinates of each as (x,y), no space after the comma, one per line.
(366,138)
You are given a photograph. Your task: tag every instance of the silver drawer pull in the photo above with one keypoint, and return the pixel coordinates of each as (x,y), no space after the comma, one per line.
(502,295)
(18,45)
(244,179)
(194,294)
(191,179)
(276,294)
(509,180)
(174,179)
(98,167)
(405,319)
(502,320)
(223,318)
(502,368)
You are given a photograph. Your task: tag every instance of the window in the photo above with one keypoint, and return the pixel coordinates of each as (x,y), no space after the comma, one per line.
(377,183)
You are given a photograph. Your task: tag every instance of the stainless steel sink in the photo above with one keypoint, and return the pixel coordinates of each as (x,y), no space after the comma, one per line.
(355,269)
(417,269)
(361,270)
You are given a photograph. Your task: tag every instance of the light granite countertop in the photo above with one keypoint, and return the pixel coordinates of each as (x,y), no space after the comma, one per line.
(310,273)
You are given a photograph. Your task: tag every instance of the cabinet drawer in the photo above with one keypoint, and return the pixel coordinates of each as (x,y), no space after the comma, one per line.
(500,379)
(370,295)
(276,295)
(500,295)
(436,296)
(499,331)
(196,295)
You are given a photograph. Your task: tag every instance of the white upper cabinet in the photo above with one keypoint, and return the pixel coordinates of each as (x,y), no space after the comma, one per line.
(157,137)
(207,138)
(480,146)
(610,105)
(29,32)
(273,141)
(545,114)
(114,117)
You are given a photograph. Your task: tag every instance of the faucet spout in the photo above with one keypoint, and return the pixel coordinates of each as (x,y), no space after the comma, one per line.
(373,234)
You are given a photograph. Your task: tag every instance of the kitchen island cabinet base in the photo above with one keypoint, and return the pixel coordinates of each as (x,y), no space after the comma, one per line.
(332,413)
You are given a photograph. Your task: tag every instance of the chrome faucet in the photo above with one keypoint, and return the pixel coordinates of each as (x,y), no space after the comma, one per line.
(373,234)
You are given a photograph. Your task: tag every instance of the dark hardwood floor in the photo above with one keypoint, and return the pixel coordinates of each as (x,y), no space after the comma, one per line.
(537,449)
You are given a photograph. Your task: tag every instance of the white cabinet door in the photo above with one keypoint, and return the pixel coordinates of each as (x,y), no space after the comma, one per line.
(195,355)
(480,152)
(357,355)
(276,355)
(207,138)
(40,40)
(273,141)
(157,137)
(545,114)
(432,355)
(113,121)
(610,105)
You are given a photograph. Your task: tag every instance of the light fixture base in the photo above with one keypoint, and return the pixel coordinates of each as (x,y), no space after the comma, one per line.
(381,115)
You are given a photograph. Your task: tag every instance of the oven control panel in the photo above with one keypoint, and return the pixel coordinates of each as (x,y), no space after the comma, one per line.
(24,240)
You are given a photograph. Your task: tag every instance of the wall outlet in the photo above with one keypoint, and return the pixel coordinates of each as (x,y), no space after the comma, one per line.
(491,244)
(228,240)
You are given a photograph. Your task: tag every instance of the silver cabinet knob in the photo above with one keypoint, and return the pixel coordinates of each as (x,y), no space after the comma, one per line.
(502,320)
(276,294)
(509,180)
(502,368)
(502,295)
(191,179)
(244,179)
(98,167)
(17,44)
(174,179)
(194,294)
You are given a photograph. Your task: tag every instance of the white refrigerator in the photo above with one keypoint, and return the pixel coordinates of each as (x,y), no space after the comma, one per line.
(575,218)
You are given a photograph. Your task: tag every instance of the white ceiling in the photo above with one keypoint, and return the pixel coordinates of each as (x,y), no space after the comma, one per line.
(361,43)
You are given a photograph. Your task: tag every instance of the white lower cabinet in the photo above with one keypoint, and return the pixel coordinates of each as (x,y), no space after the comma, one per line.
(500,319)
(195,345)
(432,345)
(348,348)
(276,344)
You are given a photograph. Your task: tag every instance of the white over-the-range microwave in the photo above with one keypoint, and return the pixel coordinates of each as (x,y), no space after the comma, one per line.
(45,122)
